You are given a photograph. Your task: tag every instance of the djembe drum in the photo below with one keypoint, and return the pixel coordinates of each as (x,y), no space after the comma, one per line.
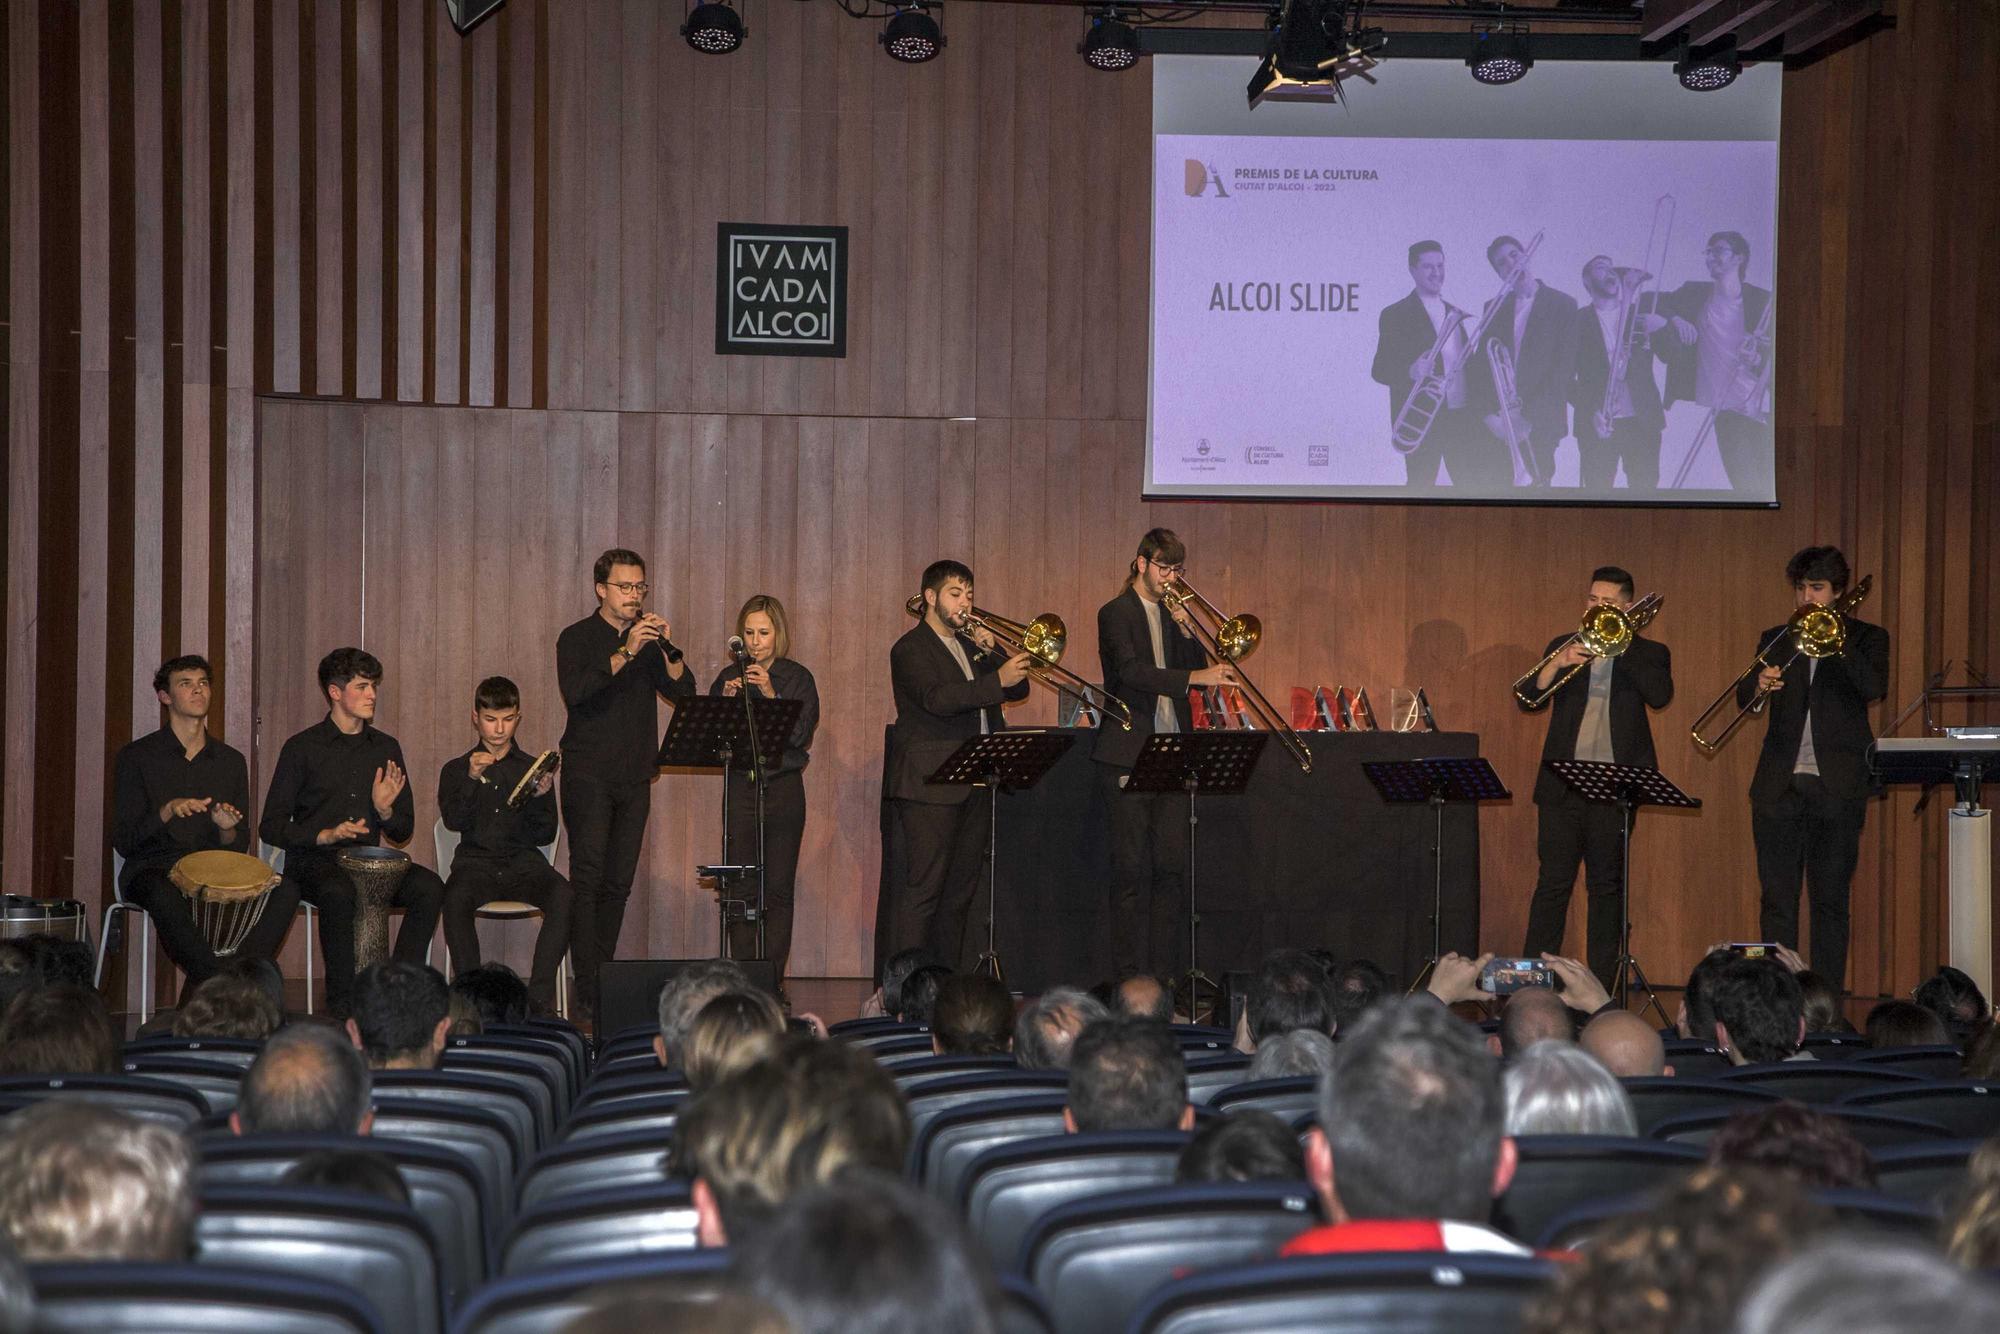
(226,893)
(376,872)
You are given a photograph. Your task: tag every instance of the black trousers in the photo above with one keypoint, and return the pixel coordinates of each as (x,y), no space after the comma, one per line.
(1149,907)
(156,894)
(1745,444)
(945,850)
(607,823)
(1459,440)
(526,876)
(1809,830)
(1634,444)
(1574,831)
(784,830)
(321,882)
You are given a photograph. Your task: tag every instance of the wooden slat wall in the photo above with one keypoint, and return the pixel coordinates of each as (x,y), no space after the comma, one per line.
(488,259)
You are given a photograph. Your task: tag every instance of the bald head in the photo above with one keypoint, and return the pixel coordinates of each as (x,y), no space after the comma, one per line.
(1625,1044)
(1142,997)
(1533,1014)
(308,1079)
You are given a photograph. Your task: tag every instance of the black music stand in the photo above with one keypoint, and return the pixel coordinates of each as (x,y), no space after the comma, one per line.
(714,732)
(1438,781)
(1217,764)
(1014,759)
(1628,787)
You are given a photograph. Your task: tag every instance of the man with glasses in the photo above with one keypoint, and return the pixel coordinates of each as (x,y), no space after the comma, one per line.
(1722,345)
(610,667)
(1150,658)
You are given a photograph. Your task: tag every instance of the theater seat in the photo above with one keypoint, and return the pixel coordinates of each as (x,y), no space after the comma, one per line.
(1558,1172)
(543,1302)
(1578,1228)
(553,1064)
(157,1100)
(869,1032)
(1350,1294)
(1009,1186)
(628,1062)
(1817,1081)
(591,1225)
(558,1035)
(1095,1259)
(914,1069)
(482,1136)
(1022,1310)
(237,1052)
(892,1047)
(1968,1108)
(654,1113)
(626,1041)
(1873,1129)
(460,1088)
(942,1151)
(927,1098)
(606,1088)
(371,1245)
(1284,1098)
(1835,1046)
(1869,1210)
(1207,1075)
(529,1074)
(193,1299)
(218,1084)
(1696,1058)
(593,1163)
(1929,1173)
(1933,1063)
(1662,1098)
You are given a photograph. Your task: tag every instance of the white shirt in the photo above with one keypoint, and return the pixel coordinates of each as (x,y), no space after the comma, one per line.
(1593,737)
(964,665)
(1164,718)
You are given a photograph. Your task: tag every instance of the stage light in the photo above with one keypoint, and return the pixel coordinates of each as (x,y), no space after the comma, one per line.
(1500,54)
(1716,68)
(713,28)
(912,36)
(1313,46)
(1109,43)
(465,15)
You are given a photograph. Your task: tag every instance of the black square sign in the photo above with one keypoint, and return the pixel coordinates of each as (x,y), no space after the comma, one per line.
(780,291)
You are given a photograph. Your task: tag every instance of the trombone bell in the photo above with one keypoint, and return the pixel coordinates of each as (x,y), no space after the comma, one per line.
(1239,636)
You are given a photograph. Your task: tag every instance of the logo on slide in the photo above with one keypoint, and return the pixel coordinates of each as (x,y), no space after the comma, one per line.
(1199,177)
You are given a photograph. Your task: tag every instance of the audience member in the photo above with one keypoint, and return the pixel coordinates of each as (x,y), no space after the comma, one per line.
(1760,1014)
(1531,1015)
(1972,1229)
(261,973)
(462,1017)
(1869,1284)
(1682,1266)
(973,1016)
(84,1182)
(1143,996)
(495,991)
(1696,1016)
(361,1170)
(663,1306)
(308,1080)
(1809,1146)
(887,1001)
(917,997)
(867,1252)
(1626,1045)
(60,962)
(17,1294)
(58,1029)
(1299,1052)
(735,1030)
(1955,998)
(682,998)
(228,1006)
(1288,991)
(795,1119)
(1127,1074)
(1982,1056)
(1246,1145)
(17,972)
(1898,1023)
(1824,1012)
(1356,987)
(1048,1025)
(1557,1088)
(1410,1151)
(401,1015)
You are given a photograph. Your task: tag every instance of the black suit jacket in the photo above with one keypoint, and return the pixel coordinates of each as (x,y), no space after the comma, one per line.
(1687,301)
(937,709)
(1641,678)
(1842,690)
(1544,364)
(1125,649)
(1593,371)
(1403,333)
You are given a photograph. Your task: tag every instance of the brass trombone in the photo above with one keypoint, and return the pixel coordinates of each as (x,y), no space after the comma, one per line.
(1231,639)
(1606,632)
(1043,640)
(1814,631)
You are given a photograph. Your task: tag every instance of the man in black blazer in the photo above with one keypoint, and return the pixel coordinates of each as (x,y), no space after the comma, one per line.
(1630,432)
(1406,332)
(1809,797)
(1599,714)
(1537,324)
(1713,362)
(949,683)
(1150,658)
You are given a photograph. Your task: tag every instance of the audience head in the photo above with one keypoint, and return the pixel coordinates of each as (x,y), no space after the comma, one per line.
(1897,1023)
(867,1252)
(736,1029)
(1556,1088)
(1531,1015)
(1760,1014)
(897,970)
(228,1006)
(60,1029)
(1955,998)
(496,992)
(262,974)
(1812,1148)
(1246,1145)
(973,1016)
(1626,1045)
(1289,991)
(1697,1014)
(363,1171)
(402,1014)
(1127,1074)
(916,999)
(1048,1025)
(1299,1052)
(1356,987)
(1869,1284)
(83,1182)
(308,1080)
(1410,1120)
(463,1019)
(18,972)
(1144,996)
(804,1114)
(1972,1231)
(1824,1013)
(59,962)
(683,996)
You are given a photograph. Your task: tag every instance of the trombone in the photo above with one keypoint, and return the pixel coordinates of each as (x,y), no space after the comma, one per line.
(1606,632)
(1815,632)
(1231,639)
(1043,640)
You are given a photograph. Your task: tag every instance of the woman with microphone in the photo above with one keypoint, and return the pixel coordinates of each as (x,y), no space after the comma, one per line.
(763,663)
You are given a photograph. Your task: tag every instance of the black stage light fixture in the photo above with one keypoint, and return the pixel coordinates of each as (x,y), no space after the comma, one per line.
(1716,67)
(1314,44)
(1500,53)
(713,29)
(911,35)
(466,15)
(1109,43)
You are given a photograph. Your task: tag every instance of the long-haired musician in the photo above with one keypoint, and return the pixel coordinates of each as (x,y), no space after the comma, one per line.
(769,669)
(1629,433)
(1718,355)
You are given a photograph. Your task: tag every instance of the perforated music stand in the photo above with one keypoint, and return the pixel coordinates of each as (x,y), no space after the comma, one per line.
(1628,787)
(1438,781)
(1014,759)
(1216,764)
(713,732)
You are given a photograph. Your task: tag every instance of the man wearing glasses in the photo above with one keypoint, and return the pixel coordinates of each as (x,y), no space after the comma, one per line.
(610,666)
(1722,345)
(1150,658)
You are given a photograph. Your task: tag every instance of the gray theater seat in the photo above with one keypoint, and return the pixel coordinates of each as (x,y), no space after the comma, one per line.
(1009,1186)
(193,1299)
(371,1245)
(586,1226)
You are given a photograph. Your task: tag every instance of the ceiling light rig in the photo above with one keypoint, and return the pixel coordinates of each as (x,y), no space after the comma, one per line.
(1715,68)
(713,28)
(1500,54)
(912,35)
(1109,42)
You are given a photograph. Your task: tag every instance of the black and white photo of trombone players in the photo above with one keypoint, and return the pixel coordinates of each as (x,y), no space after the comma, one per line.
(1720,359)
(1535,324)
(1619,417)
(1419,335)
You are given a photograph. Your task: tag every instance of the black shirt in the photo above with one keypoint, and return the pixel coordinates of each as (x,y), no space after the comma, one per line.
(791,681)
(613,733)
(154,770)
(476,808)
(325,776)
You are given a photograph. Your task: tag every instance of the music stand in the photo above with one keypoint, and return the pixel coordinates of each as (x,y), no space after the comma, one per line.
(713,732)
(1213,763)
(1438,781)
(1627,786)
(1014,759)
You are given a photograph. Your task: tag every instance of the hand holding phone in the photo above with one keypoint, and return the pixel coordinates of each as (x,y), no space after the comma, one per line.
(1503,977)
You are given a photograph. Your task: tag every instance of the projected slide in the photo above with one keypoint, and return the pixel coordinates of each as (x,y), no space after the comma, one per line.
(1532,319)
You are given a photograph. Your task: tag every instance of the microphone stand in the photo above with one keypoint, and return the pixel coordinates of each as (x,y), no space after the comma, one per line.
(757,777)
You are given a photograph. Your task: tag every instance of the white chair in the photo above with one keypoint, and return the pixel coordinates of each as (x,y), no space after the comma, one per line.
(502,910)
(117,907)
(275,858)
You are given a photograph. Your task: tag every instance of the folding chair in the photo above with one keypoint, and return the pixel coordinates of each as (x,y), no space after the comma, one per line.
(501,910)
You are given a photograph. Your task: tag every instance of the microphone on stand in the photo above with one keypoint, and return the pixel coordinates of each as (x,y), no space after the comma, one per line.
(736,649)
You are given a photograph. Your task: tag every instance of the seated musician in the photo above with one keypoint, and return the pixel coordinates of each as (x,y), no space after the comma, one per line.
(176,791)
(340,783)
(499,846)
